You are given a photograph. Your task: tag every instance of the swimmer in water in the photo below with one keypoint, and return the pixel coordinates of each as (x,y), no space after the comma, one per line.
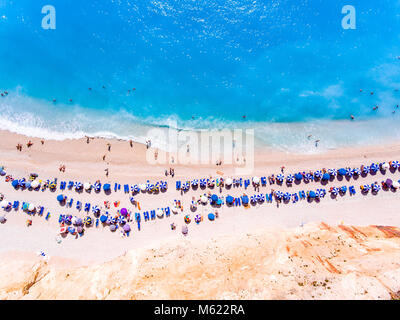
(352,117)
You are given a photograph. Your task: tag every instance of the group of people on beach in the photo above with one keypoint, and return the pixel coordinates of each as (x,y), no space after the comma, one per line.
(171,172)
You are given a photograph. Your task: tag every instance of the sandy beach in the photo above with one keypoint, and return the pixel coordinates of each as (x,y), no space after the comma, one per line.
(99,248)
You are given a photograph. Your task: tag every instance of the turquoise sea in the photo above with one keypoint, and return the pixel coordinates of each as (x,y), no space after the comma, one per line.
(287,66)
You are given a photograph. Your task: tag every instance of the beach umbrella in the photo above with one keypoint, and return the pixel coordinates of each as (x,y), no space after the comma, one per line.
(396,184)
(385,166)
(27,184)
(124,212)
(71,230)
(197,219)
(349,172)
(312,194)
(78,222)
(109,220)
(229,199)
(278,195)
(113,228)
(374,167)
(286,196)
(149,187)
(78,185)
(389,182)
(332,172)
(261,197)
(253,199)
(228,181)
(2,173)
(31,207)
(159,213)
(63,230)
(280,177)
(132,199)
(214,198)
(318,174)
(87,186)
(107,187)
(60,198)
(174,209)
(185,230)
(394,164)
(245,199)
(342,172)
(375,187)
(187,219)
(326,176)
(3,219)
(204,199)
(97,186)
(211,217)
(103,219)
(35,184)
(126,228)
(307,177)
(195,182)
(356,171)
(163,185)
(366,187)
(142,187)
(203,183)
(74,221)
(15,183)
(256,180)
(135,188)
(21,182)
(88,221)
(68,219)
(335,191)
(366,169)
(343,189)
(289,178)
(95,209)
(298,176)
(121,220)
(79,229)
(185,186)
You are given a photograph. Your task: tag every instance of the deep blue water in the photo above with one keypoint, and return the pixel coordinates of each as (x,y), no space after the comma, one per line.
(289,66)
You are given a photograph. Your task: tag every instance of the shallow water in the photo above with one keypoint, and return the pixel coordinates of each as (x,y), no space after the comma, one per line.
(288,66)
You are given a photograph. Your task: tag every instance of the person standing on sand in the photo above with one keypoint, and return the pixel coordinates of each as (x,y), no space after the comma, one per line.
(131,143)
(42,142)
(87,140)
(104,158)
(106,170)
(109,147)
(29,144)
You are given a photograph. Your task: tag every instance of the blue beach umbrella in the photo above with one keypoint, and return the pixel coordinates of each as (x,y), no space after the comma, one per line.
(326,176)
(211,216)
(107,187)
(214,198)
(311,194)
(245,199)
(342,172)
(60,198)
(15,183)
(298,176)
(343,189)
(286,196)
(374,167)
(229,199)
(103,218)
(203,182)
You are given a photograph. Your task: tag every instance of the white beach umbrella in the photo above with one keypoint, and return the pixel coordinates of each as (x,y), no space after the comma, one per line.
(35,184)
(87,186)
(204,199)
(228,181)
(396,184)
(4,204)
(385,166)
(74,220)
(256,180)
(31,207)
(142,187)
(159,213)
(174,209)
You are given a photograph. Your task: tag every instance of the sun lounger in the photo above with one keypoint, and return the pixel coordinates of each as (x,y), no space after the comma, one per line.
(116,187)
(146,216)
(63,184)
(15,205)
(126,188)
(153,214)
(263,181)
(70,203)
(97,223)
(79,205)
(269,197)
(302,194)
(40,213)
(87,207)
(178,185)
(167,212)
(237,202)
(352,190)
(70,185)
(48,216)
(246,183)
(295,197)
(137,217)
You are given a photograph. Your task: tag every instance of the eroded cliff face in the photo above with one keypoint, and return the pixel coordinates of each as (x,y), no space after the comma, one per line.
(314,262)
